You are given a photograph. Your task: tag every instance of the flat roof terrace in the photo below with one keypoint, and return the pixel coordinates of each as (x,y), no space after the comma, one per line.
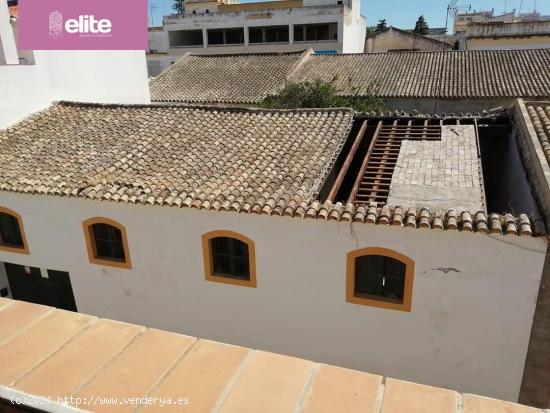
(77,362)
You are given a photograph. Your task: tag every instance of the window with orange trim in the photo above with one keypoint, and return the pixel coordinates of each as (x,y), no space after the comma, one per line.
(12,234)
(106,242)
(229,258)
(380,277)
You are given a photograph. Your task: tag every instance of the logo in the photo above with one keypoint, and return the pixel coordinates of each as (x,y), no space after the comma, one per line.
(82,25)
(56,24)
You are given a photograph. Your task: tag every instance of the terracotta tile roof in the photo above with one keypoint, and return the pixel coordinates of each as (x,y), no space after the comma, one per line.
(456,74)
(271,162)
(539,112)
(242,78)
(464,74)
(58,354)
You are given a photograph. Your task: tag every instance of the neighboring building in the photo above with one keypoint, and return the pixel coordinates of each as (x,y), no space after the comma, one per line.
(99,365)
(156,60)
(32,80)
(485,31)
(429,82)
(328,26)
(394,39)
(272,229)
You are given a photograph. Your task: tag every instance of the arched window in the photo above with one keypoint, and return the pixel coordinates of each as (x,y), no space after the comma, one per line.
(12,234)
(106,242)
(229,258)
(380,277)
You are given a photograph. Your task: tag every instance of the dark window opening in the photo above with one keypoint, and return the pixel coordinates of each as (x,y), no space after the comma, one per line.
(179,38)
(379,277)
(230,258)
(269,34)
(316,32)
(215,37)
(225,36)
(10,233)
(108,242)
(234,36)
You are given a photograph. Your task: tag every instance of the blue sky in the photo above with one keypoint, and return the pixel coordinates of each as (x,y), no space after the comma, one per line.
(401,13)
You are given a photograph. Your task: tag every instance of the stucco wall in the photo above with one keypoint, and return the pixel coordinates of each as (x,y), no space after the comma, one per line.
(428,105)
(509,43)
(472,307)
(113,76)
(396,40)
(85,76)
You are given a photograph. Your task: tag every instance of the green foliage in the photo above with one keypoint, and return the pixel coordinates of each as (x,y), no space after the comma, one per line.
(319,94)
(179,6)
(382,25)
(371,30)
(421,26)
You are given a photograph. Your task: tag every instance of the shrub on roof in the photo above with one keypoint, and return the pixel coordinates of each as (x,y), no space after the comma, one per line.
(320,94)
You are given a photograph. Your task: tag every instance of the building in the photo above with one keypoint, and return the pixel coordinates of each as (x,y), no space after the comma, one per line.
(485,31)
(132,368)
(394,39)
(33,79)
(327,26)
(426,82)
(274,229)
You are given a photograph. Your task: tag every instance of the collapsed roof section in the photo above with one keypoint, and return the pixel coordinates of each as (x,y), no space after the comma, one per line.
(311,163)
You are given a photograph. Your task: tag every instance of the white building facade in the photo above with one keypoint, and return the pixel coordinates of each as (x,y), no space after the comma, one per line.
(32,80)
(327,26)
(473,297)
(510,31)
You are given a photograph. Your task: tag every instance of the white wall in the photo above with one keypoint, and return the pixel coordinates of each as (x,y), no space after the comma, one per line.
(85,76)
(113,76)
(468,329)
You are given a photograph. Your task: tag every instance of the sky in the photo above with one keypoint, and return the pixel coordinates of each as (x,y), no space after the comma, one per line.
(400,13)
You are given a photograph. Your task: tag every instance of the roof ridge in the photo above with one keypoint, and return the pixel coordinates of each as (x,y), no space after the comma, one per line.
(184,105)
(250,54)
(516,51)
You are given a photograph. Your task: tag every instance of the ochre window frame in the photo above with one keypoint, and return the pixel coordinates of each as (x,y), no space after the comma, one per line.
(17,250)
(372,302)
(207,256)
(90,243)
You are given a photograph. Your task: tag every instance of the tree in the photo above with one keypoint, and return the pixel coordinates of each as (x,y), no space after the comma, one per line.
(179,6)
(421,26)
(382,25)
(320,94)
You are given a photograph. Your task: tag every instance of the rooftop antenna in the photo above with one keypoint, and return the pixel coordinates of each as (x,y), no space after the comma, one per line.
(505,6)
(535,7)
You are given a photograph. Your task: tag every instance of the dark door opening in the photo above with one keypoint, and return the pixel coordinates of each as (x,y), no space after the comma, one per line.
(28,284)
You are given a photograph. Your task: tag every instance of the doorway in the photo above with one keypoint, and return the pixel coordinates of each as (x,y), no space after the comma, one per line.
(52,288)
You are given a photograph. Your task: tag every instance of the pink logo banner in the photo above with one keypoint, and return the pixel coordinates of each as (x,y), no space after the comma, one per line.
(82,24)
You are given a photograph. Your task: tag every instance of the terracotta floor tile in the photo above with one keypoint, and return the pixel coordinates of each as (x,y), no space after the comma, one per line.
(79,360)
(135,372)
(18,316)
(477,404)
(201,377)
(4,302)
(271,383)
(340,390)
(38,342)
(402,396)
